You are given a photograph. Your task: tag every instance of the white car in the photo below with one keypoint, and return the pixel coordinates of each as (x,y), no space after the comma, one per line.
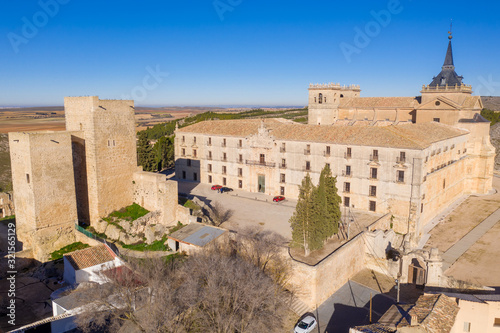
(306,325)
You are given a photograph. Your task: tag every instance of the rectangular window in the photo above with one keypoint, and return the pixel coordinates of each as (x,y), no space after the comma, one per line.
(348,153)
(194,153)
(282,190)
(283,163)
(308,166)
(466,326)
(209,141)
(327,151)
(224,181)
(195,176)
(373,173)
(402,157)
(283,148)
(421,208)
(373,191)
(401,176)
(224,169)
(373,206)
(262,159)
(194,140)
(374,156)
(347,187)
(223,142)
(240,143)
(282,177)
(347,170)
(496,323)
(240,172)
(209,179)
(27,178)
(183,174)
(347,201)
(240,158)
(437,120)
(188,162)
(307,151)
(240,183)
(183,139)
(210,168)
(209,155)
(183,152)
(224,157)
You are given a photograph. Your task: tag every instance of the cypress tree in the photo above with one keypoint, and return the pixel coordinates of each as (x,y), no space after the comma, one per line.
(301,219)
(333,201)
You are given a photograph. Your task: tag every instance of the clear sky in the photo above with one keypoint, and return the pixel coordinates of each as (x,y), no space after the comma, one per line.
(238,52)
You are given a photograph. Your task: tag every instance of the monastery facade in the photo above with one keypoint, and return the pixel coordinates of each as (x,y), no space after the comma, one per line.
(408,156)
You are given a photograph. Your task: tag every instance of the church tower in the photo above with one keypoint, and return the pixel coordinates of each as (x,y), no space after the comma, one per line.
(324,101)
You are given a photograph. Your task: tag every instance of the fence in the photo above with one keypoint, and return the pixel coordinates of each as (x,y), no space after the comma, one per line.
(87,233)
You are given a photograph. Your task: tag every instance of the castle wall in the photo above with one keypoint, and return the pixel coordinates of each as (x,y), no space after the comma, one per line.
(155,193)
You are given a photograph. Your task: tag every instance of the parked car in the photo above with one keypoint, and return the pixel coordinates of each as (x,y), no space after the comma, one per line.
(305,325)
(216,187)
(225,189)
(278,198)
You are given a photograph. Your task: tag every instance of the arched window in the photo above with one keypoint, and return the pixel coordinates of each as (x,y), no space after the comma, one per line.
(320,98)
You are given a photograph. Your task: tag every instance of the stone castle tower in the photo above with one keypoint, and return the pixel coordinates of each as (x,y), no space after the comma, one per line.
(79,175)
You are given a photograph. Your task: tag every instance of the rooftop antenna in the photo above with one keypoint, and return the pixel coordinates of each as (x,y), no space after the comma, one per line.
(450,37)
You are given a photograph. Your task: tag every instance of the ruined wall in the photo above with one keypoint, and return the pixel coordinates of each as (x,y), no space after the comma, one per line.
(154,192)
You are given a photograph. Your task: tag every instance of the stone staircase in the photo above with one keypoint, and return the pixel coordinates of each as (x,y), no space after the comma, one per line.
(299,307)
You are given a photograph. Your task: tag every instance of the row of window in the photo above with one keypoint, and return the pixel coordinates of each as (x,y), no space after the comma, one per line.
(372,191)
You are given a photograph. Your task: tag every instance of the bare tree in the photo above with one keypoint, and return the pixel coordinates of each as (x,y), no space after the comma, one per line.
(213,291)
(217,214)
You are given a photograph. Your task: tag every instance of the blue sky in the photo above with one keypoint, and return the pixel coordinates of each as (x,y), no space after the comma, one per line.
(238,52)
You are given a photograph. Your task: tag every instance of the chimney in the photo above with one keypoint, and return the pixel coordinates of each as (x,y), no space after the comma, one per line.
(413,320)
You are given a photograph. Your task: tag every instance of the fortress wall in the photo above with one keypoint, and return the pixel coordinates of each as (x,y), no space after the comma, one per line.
(154,192)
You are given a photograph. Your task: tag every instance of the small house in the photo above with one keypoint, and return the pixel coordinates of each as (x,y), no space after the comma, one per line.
(194,236)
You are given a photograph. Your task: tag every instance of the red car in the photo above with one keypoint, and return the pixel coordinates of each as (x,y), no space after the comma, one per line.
(216,187)
(278,198)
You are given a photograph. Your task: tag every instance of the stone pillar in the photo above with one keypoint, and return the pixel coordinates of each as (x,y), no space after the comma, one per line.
(434,268)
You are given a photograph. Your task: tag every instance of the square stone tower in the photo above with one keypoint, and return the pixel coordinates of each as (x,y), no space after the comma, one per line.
(106,146)
(44,189)
(324,101)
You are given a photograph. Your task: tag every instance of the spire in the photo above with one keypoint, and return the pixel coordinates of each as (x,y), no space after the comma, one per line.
(448,76)
(448,61)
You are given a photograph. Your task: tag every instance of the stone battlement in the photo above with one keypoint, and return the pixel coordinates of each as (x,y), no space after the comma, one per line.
(334,86)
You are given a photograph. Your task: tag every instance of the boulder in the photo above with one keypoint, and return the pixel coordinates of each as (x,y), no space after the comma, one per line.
(100,226)
(129,239)
(149,233)
(159,231)
(126,225)
(113,232)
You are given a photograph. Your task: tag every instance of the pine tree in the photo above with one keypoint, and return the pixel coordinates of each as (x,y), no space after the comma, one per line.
(302,217)
(145,153)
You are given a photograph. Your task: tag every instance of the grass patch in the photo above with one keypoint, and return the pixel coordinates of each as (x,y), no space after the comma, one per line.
(8,219)
(130,213)
(69,248)
(155,246)
(191,205)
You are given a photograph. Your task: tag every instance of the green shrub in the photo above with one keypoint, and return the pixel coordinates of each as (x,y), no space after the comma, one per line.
(155,246)
(130,213)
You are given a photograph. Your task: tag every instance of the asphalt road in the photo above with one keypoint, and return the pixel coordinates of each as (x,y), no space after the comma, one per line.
(349,307)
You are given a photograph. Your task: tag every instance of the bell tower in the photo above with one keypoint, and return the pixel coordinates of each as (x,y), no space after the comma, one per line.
(324,101)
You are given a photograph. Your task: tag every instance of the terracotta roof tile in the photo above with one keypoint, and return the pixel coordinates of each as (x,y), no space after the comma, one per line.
(89,257)
(379,102)
(407,135)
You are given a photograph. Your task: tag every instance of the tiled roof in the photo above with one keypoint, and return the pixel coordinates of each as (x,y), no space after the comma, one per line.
(374,328)
(379,102)
(435,313)
(407,135)
(89,257)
